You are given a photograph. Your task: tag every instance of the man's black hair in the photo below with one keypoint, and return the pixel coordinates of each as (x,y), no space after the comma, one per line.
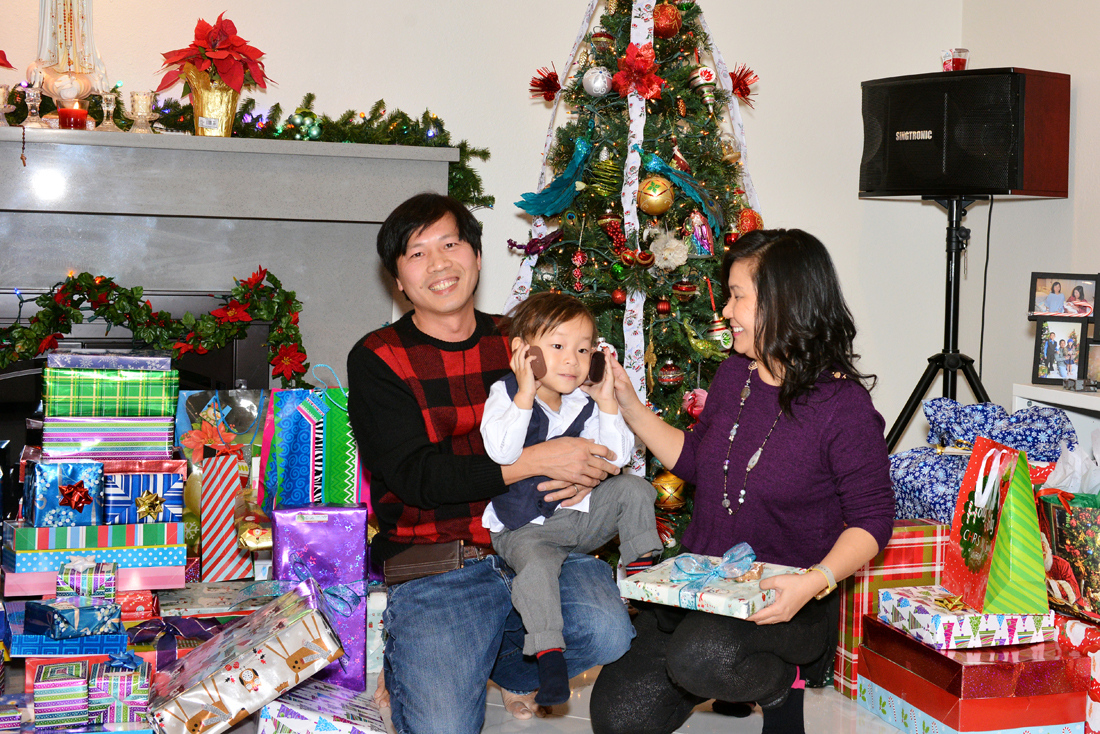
(414,215)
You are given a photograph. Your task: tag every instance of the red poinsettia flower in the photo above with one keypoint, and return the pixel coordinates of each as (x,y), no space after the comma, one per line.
(230,312)
(100,300)
(62,297)
(189,343)
(256,278)
(49,342)
(288,362)
(221,53)
(203,435)
(636,73)
(294,317)
(4,63)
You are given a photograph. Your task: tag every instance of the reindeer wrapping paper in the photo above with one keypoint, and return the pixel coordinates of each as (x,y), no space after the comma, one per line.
(247,665)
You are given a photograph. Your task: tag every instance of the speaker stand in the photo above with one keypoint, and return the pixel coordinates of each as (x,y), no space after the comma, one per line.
(950,360)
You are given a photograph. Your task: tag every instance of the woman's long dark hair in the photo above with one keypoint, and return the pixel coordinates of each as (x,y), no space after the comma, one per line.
(804,330)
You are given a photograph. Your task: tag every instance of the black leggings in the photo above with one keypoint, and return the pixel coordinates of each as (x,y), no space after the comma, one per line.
(680,659)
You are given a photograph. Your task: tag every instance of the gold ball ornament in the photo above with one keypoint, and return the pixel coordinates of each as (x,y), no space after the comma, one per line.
(655,195)
(670,488)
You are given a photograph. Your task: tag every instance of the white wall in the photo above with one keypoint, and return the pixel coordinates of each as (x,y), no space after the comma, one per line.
(470,63)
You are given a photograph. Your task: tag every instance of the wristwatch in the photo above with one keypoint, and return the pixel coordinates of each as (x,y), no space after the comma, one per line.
(829,578)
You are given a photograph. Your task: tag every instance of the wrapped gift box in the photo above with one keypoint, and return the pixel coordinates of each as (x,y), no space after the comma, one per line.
(913,557)
(207,600)
(138,605)
(20,537)
(20,644)
(143,491)
(102,439)
(719,596)
(118,694)
(933,615)
(267,654)
(110,359)
(253,525)
(320,707)
(61,695)
(81,576)
(129,579)
(66,494)
(14,710)
(74,616)
(81,392)
(31,665)
(329,544)
(157,556)
(376,643)
(192,572)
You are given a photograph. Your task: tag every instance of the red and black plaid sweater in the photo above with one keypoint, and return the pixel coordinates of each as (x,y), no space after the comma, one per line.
(415,404)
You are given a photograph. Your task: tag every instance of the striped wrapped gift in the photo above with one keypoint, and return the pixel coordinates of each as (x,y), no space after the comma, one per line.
(19,537)
(98,439)
(81,576)
(143,491)
(110,392)
(20,562)
(119,694)
(61,695)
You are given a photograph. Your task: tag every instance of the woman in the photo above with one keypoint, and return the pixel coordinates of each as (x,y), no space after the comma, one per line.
(1055,300)
(1061,357)
(806,484)
(1077,304)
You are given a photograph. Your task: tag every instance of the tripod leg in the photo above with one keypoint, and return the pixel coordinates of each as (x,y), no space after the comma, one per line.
(974,381)
(935,364)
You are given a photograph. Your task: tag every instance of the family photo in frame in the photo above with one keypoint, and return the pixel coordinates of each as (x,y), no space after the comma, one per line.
(1062,295)
(1059,349)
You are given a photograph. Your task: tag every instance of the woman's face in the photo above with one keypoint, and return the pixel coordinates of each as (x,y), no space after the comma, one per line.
(1078,293)
(1056,288)
(740,310)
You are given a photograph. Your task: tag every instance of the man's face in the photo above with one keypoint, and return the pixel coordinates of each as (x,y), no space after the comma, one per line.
(439,270)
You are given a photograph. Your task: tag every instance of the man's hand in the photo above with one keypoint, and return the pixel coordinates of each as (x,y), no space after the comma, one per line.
(793,590)
(569,493)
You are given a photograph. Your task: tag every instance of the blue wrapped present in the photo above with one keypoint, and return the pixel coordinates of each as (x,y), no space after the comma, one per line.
(24,645)
(72,616)
(144,491)
(67,494)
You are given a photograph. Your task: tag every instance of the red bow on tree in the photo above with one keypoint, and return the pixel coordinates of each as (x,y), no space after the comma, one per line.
(75,496)
(636,73)
(742,79)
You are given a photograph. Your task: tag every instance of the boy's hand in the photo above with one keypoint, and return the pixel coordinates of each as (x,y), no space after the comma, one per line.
(525,376)
(603,392)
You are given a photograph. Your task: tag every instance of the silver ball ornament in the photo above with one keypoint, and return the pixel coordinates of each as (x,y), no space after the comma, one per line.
(597,81)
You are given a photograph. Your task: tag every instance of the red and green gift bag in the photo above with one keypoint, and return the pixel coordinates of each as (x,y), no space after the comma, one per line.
(994,557)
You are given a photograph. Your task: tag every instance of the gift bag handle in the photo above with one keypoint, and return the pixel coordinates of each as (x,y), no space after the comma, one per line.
(987,484)
(324,384)
(255,421)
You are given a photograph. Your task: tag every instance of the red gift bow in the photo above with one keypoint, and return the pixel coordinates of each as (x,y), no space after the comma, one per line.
(228,449)
(75,496)
(636,73)
(1063,496)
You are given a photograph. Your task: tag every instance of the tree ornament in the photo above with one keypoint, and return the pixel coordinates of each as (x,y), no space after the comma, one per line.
(596,81)
(697,231)
(606,175)
(677,160)
(748,220)
(655,195)
(579,258)
(689,185)
(612,224)
(670,491)
(545,84)
(684,291)
(636,73)
(618,270)
(730,238)
(537,245)
(577,273)
(694,401)
(559,194)
(618,296)
(664,308)
(670,375)
(602,41)
(644,259)
(668,252)
(702,79)
(681,107)
(731,149)
(666,20)
(546,271)
(718,331)
(628,258)
(743,78)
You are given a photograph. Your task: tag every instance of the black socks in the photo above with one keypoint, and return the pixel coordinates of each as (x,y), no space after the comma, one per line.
(553,678)
(788,718)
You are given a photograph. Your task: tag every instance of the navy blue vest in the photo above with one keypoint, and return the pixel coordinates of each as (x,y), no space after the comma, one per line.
(523,501)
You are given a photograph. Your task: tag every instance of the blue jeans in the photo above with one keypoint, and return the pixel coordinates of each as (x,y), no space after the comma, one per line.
(448,635)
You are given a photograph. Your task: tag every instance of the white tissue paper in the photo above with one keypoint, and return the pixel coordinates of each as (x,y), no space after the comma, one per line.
(1076,471)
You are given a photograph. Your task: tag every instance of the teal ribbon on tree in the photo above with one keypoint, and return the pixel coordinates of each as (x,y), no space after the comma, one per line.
(559,194)
(686,183)
(701,570)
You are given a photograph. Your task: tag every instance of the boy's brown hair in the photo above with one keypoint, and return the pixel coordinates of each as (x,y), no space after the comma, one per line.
(543,312)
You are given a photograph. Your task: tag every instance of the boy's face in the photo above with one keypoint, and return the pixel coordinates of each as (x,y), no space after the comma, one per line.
(567,351)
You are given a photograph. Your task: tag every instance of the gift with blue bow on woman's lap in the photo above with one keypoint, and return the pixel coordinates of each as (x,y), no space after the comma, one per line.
(66,494)
(74,616)
(729,586)
(118,690)
(82,576)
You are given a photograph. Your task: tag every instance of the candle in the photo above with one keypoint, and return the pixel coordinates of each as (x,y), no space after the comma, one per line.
(141,103)
(72,119)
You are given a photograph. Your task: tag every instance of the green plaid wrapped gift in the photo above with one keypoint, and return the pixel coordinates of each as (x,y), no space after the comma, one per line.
(84,393)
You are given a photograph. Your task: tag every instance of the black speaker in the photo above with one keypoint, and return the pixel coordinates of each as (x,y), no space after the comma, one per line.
(982,131)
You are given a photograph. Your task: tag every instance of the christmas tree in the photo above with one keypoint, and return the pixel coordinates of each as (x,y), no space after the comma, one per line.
(648,190)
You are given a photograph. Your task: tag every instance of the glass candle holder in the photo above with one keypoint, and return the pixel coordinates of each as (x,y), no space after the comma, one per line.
(72,114)
(141,112)
(33,96)
(4,106)
(109,100)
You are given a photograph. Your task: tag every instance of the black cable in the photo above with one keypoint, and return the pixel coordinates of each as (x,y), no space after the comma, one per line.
(985,285)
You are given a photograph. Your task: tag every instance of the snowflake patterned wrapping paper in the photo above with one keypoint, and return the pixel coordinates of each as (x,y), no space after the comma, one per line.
(68,493)
(115,393)
(206,600)
(155,557)
(719,596)
(109,359)
(19,537)
(74,616)
(247,665)
(61,695)
(320,707)
(328,543)
(921,613)
(80,576)
(105,439)
(20,644)
(143,491)
(118,695)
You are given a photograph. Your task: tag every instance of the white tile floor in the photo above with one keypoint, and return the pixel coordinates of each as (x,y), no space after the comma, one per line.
(826,711)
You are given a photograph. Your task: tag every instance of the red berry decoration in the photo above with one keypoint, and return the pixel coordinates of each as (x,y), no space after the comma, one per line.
(666,20)
(612,225)
(579,258)
(749,220)
(664,307)
(618,296)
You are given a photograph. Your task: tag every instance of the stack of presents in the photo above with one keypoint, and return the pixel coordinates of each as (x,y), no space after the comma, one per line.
(186,559)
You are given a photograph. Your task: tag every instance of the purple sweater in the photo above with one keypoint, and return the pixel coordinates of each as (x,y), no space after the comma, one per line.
(823,470)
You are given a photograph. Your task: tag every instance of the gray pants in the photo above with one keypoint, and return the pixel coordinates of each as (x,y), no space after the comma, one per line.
(620,505)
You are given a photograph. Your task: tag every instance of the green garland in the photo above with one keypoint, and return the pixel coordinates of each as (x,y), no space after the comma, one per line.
(376,127)
(260,297)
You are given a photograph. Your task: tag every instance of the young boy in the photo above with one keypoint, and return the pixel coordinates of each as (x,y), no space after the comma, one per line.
(534,536)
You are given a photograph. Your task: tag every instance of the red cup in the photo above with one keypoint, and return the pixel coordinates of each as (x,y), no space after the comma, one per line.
(72,119)
(955,59)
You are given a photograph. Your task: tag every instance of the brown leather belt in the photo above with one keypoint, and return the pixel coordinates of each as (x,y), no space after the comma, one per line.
(418,561)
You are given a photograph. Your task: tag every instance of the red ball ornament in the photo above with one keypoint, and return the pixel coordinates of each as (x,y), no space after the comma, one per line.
(666,20)
(577,274)
(628,257)
(618,296)
(579,258)
(731,238)
(664,307)
(645,258)
(748,220)
(670,375)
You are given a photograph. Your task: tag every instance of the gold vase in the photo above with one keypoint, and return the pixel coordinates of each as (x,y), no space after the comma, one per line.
(215,103)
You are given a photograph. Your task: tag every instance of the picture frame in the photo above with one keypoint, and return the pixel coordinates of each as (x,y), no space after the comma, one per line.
(1092,361)
(1058,296)
(1052,363)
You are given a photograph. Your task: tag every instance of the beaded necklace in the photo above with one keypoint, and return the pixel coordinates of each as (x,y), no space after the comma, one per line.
(754,459)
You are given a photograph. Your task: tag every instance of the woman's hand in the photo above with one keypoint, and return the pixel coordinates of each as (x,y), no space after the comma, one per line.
(603,392)
(793,590)
(624,390)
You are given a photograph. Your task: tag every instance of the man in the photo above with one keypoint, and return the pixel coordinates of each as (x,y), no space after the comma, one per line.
(417,393)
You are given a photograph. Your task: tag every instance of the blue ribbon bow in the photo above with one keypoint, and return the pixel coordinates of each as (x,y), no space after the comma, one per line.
(127,660)
(701,570)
